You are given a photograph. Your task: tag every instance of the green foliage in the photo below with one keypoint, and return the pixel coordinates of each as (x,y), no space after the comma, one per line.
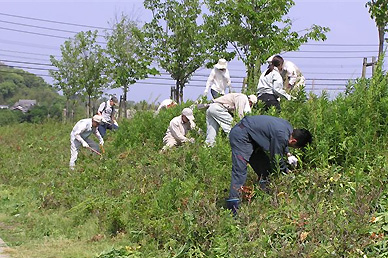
(181,44)
(257,30)
(144,203)
(81,68)
(8,117)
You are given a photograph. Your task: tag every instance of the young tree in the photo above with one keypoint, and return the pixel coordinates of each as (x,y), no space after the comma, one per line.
(129,56)
(180,43)
(91,69)
(81,69)
(257,30)
(65,76)
(378,10)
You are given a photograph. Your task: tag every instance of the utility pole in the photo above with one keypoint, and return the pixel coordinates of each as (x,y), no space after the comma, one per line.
(365,64)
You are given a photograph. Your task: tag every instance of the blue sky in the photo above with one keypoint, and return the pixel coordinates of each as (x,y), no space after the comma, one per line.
(326,65)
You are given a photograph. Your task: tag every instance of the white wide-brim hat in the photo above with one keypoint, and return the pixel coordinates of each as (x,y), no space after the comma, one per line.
(222,64)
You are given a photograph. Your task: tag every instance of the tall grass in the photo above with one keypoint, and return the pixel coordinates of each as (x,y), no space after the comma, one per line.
(137,202)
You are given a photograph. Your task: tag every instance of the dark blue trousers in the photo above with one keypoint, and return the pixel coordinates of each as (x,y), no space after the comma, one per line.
(244,151)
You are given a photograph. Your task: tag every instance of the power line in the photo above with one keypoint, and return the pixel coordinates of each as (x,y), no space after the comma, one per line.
(30,58)
(40,27)
(339,45)
(43,34)
(27,44)
(26,67)
(44,75)
(21,62)
(57,22)
(21,52)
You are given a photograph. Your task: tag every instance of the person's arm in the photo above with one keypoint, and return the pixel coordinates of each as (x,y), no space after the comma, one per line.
(176,133)
(278,146)
(228,81)
(242,106)
(292,75)
(77,134)
(278,86)
(209,82)
(101,108)
(99,137)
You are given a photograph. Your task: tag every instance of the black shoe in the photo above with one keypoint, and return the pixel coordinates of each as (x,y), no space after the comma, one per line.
(232,204)
(264,186)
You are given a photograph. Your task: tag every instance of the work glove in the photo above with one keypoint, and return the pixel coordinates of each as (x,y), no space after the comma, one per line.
(205,93)
(116,124)
(191,140)
(102,142)
(292,160)
(85,144)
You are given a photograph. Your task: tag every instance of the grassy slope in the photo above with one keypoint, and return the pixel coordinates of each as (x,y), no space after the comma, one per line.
(161,205)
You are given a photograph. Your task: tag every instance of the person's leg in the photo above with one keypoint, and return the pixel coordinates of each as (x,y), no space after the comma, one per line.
(102,129)
(211,126)
(261,164)
(215,94)
(269,100)
(168,142)
(242,150)
(74,146)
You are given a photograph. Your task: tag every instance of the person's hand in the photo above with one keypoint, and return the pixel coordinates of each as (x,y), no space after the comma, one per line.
(191,140)
(292,160)
(85,144)
(205,93)
(102,142)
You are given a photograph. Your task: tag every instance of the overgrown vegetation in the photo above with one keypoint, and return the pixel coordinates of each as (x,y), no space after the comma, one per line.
(136,202)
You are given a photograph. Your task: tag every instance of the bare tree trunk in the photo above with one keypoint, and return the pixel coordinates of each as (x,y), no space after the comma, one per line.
(177,92)
(381,41)
(125,100)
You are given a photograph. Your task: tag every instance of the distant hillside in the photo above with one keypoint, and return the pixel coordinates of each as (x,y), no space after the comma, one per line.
(18,84)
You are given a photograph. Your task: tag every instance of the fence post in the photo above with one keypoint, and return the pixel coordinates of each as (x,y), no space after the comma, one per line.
(365,64)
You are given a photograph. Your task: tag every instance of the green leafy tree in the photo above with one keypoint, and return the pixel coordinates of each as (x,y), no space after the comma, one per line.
(181,43)
(82,68)
(65,76)
(129,56)
(378,10)
(257,29)
(92,67)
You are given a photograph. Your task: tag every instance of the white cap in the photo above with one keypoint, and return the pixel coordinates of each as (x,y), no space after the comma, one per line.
(253,99)
(188,113)
(269,60)
(99,119)
(222,64)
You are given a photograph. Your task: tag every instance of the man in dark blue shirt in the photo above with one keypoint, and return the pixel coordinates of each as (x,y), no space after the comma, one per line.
(261,141)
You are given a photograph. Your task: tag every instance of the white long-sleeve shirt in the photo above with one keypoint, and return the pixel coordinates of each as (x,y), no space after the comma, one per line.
(83,129)
(165,104)
(235,102)
(293,72)
(272,83)
(218,80)
(178,130)
(108,112)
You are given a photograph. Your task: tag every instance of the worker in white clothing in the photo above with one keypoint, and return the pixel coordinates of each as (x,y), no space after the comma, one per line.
(167,103)
(178,129)
(80,136)
(107,111)
(218,80)
(270,87)
(291,74)
(220,113)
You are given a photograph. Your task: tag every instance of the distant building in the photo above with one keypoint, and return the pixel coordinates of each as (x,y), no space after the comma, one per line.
(4,107)
(24,105)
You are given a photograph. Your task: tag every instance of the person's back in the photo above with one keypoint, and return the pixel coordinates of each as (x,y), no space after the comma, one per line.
(271,133)
(235,102)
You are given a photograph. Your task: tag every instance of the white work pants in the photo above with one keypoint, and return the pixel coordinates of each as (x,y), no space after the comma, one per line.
(74,147)
(217,115)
